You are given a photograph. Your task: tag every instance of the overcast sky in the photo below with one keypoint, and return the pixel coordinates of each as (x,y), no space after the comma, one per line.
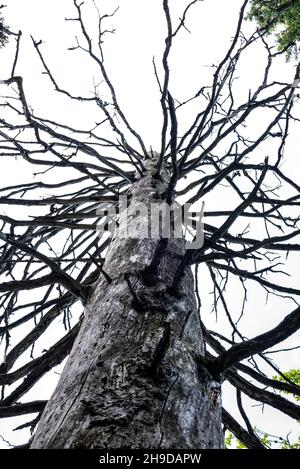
(140,34)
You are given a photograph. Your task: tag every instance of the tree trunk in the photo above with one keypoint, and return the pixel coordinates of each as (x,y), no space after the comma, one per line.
(131,380)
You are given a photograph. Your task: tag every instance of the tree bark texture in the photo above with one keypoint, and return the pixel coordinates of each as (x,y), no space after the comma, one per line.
(132,379)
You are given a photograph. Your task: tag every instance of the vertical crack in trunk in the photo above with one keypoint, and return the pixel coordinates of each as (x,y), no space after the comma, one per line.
(131,380)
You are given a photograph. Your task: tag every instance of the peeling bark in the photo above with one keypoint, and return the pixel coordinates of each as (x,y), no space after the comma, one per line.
(131,380)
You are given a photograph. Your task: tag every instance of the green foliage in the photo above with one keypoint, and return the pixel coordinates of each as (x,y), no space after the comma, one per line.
(270,441)
(229,438)
(231,442)
(3,33)
(287,445)
(265,439)
(240,445)
(292,375)
(281,17)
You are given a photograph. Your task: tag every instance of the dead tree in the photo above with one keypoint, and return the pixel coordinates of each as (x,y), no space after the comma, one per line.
(143,370)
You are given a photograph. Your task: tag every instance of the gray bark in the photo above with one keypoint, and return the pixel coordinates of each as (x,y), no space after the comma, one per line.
(132,378)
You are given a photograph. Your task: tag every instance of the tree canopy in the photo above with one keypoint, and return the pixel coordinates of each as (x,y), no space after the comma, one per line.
(282,17)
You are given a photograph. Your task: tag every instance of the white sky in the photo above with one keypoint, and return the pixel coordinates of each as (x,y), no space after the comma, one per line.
(140,33)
